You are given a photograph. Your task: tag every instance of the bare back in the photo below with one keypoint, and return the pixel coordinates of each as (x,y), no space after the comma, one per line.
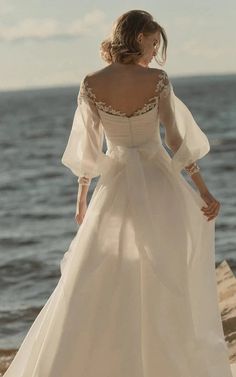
(125,89)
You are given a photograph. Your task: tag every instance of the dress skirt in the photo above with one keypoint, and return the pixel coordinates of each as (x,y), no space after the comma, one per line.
(137,296)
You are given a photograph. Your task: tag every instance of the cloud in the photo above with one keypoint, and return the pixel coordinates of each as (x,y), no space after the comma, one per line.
(88,24)
(48,28)
(5,7)
(196,47)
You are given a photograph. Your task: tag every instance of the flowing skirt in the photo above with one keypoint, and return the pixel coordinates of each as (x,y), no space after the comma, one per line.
(137,296)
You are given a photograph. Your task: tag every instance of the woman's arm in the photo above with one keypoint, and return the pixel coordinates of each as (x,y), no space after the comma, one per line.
(83,154)
(81,203)
(181,130)
(196,176)
(198,180)
(213,205)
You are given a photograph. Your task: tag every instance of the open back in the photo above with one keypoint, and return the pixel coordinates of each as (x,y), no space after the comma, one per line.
(129,113)
(125,95)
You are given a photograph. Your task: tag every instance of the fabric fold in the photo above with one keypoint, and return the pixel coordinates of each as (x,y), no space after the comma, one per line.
(83,154)
(182,133)
(172,275)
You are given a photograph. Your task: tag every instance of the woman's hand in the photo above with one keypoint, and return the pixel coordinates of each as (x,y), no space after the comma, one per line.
(80,212)
(213,206)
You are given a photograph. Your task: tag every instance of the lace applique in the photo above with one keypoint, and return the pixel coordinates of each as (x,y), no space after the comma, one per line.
(162,85)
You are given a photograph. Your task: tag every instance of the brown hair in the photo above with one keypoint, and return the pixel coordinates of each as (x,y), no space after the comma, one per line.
(122,47)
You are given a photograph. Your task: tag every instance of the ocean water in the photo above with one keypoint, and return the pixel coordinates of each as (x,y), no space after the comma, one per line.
(38,193)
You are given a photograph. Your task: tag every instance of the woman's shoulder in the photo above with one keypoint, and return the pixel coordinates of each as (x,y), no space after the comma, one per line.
(93,76)
(160,74)
(96,74)
(103,73)
(149,79)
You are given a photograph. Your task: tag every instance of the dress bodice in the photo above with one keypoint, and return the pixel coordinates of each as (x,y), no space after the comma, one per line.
(134,129)
(130,131)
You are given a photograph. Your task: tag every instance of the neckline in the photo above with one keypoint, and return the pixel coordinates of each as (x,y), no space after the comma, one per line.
(129,116)
(86,90)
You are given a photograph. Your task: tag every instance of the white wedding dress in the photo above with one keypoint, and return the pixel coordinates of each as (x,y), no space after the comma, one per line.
(137,296)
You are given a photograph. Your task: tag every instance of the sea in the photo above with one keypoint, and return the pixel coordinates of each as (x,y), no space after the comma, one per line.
(38,193)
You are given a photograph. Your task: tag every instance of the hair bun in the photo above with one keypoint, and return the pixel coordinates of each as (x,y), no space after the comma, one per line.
(122,45)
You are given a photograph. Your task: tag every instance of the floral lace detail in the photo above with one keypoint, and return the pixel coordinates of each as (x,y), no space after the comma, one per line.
(161,86)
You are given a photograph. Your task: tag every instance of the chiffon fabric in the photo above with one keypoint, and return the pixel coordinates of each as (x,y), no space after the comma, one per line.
(137,296)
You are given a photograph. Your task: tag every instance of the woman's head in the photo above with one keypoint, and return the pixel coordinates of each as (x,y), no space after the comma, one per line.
(135,39)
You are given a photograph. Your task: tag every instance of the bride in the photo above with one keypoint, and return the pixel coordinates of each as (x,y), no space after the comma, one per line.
(137,296)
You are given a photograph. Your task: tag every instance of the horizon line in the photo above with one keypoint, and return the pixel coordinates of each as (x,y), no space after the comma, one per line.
(70,85)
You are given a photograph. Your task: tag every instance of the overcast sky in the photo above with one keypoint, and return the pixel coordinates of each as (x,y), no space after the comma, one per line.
(51,43)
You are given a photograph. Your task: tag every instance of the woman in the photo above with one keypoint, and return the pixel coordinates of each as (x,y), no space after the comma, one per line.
(137,294)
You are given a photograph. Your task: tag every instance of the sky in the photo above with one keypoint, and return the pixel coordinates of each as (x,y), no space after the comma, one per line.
(45,43)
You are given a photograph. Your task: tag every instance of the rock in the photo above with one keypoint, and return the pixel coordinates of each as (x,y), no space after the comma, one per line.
(226,287)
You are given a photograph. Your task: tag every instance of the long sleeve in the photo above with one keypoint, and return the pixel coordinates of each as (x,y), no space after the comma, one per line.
(182,133)
(83,153)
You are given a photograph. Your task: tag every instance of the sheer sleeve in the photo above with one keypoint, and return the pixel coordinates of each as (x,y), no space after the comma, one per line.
(83,153)
(182,134)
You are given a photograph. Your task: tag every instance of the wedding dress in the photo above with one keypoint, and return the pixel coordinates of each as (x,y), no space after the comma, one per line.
(137,296)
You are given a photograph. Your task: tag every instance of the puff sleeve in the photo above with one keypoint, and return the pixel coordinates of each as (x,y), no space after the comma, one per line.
(182,134)
(83,154)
